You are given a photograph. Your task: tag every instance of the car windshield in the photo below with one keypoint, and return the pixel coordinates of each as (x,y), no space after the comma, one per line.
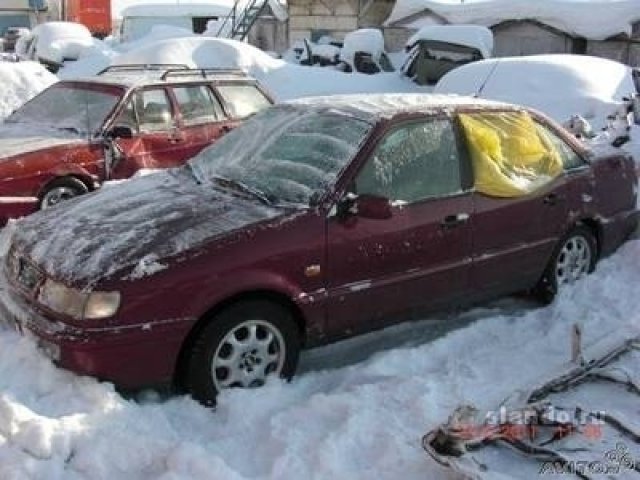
(73,107)
(288,154)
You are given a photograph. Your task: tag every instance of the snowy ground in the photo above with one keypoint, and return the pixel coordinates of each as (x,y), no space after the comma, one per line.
(357,410)
(349,414)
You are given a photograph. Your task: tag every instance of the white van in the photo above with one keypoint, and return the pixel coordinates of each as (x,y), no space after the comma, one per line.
(138,20)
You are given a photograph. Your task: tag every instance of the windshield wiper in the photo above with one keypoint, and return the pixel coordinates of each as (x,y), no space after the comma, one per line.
(196,176)
(243,187)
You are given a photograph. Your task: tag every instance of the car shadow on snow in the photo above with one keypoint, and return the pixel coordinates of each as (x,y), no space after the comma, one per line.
(406,335)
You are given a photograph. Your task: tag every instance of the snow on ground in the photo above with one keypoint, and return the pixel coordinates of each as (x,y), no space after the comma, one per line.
(19,82)
(360,419)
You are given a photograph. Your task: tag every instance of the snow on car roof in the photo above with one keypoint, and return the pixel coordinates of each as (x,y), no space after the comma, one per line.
(474,36)
(178,10)
(560,85)
(373,106)
(596,20)
(142,77)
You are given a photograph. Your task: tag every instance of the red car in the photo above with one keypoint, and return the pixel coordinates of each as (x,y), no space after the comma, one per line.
(77,134)
(313,221)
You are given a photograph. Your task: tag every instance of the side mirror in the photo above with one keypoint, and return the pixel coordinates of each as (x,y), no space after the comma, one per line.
(120,131)
(373,207)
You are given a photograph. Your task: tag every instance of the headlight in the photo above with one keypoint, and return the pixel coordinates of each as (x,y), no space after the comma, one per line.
(101,305)
(76,303)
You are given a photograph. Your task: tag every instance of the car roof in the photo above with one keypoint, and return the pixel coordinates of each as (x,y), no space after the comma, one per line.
(133,75)
(372,107)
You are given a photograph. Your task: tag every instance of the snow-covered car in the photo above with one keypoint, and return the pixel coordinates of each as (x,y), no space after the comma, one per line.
(434,50)
(560,85)
(314,220)
(11,36)
(54,43)
(79,133)
(363,51)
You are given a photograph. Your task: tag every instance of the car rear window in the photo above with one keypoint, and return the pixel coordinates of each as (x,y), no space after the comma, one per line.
(243,100)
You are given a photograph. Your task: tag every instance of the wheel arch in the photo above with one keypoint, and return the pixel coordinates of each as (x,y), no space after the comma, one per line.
(273,296)
(596,229)
(83,177)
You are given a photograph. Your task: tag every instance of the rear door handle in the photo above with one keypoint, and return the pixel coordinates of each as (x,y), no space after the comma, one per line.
(452,221)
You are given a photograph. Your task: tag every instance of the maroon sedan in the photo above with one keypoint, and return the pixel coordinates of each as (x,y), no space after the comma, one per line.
(312,221)
(77,134)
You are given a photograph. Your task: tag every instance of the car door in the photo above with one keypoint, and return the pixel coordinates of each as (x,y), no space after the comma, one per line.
(201,117)
(382,270)
(515,235)
(157,141)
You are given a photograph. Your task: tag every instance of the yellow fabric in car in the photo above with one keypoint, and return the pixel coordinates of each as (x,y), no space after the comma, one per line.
(511,157)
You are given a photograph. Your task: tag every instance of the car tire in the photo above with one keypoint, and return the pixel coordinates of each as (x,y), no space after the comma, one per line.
(574,257)
(240,347)
(61,189)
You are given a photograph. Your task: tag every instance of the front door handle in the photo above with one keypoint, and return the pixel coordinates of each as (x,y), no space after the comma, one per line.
(452,221)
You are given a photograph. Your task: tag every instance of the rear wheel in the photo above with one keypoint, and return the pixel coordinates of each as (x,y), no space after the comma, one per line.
(60,190)
(574,258)
(241,347)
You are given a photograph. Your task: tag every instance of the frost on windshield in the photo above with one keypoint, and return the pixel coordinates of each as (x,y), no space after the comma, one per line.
(287,153)
(67,107)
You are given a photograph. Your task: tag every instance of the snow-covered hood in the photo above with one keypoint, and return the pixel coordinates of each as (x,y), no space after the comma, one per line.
(118,230)
(17,141)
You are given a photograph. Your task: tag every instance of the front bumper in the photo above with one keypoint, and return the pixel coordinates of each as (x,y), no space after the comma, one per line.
(132,356)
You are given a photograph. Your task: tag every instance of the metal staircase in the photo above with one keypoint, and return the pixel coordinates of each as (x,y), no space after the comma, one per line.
(241,18)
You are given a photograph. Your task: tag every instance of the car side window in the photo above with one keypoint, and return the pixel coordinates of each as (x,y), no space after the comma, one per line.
(154,110)
(570,159)
(243,100)
(413,162)
(198,105)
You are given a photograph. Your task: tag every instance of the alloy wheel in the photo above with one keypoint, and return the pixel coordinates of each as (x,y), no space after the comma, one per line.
(247,354)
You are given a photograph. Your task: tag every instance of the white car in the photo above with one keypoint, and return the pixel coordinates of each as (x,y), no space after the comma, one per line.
(53,43)
(562,85)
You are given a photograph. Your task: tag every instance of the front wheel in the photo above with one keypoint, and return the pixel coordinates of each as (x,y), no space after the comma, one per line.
(241,347)
(60,190)
(574,258)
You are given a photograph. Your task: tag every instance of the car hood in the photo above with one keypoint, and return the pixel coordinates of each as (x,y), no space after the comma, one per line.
(126,230)
(18,139)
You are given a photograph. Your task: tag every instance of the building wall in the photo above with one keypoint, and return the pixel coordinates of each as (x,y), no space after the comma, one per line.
(528,39)
(269,34)
(336,18)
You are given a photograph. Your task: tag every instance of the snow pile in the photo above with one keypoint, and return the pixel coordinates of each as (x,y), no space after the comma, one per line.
(21,81)
(558,85)
(473,36)
(58,41)
(284,80)
(596,20)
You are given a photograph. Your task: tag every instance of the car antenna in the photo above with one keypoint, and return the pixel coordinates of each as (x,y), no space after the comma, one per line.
(486,80)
